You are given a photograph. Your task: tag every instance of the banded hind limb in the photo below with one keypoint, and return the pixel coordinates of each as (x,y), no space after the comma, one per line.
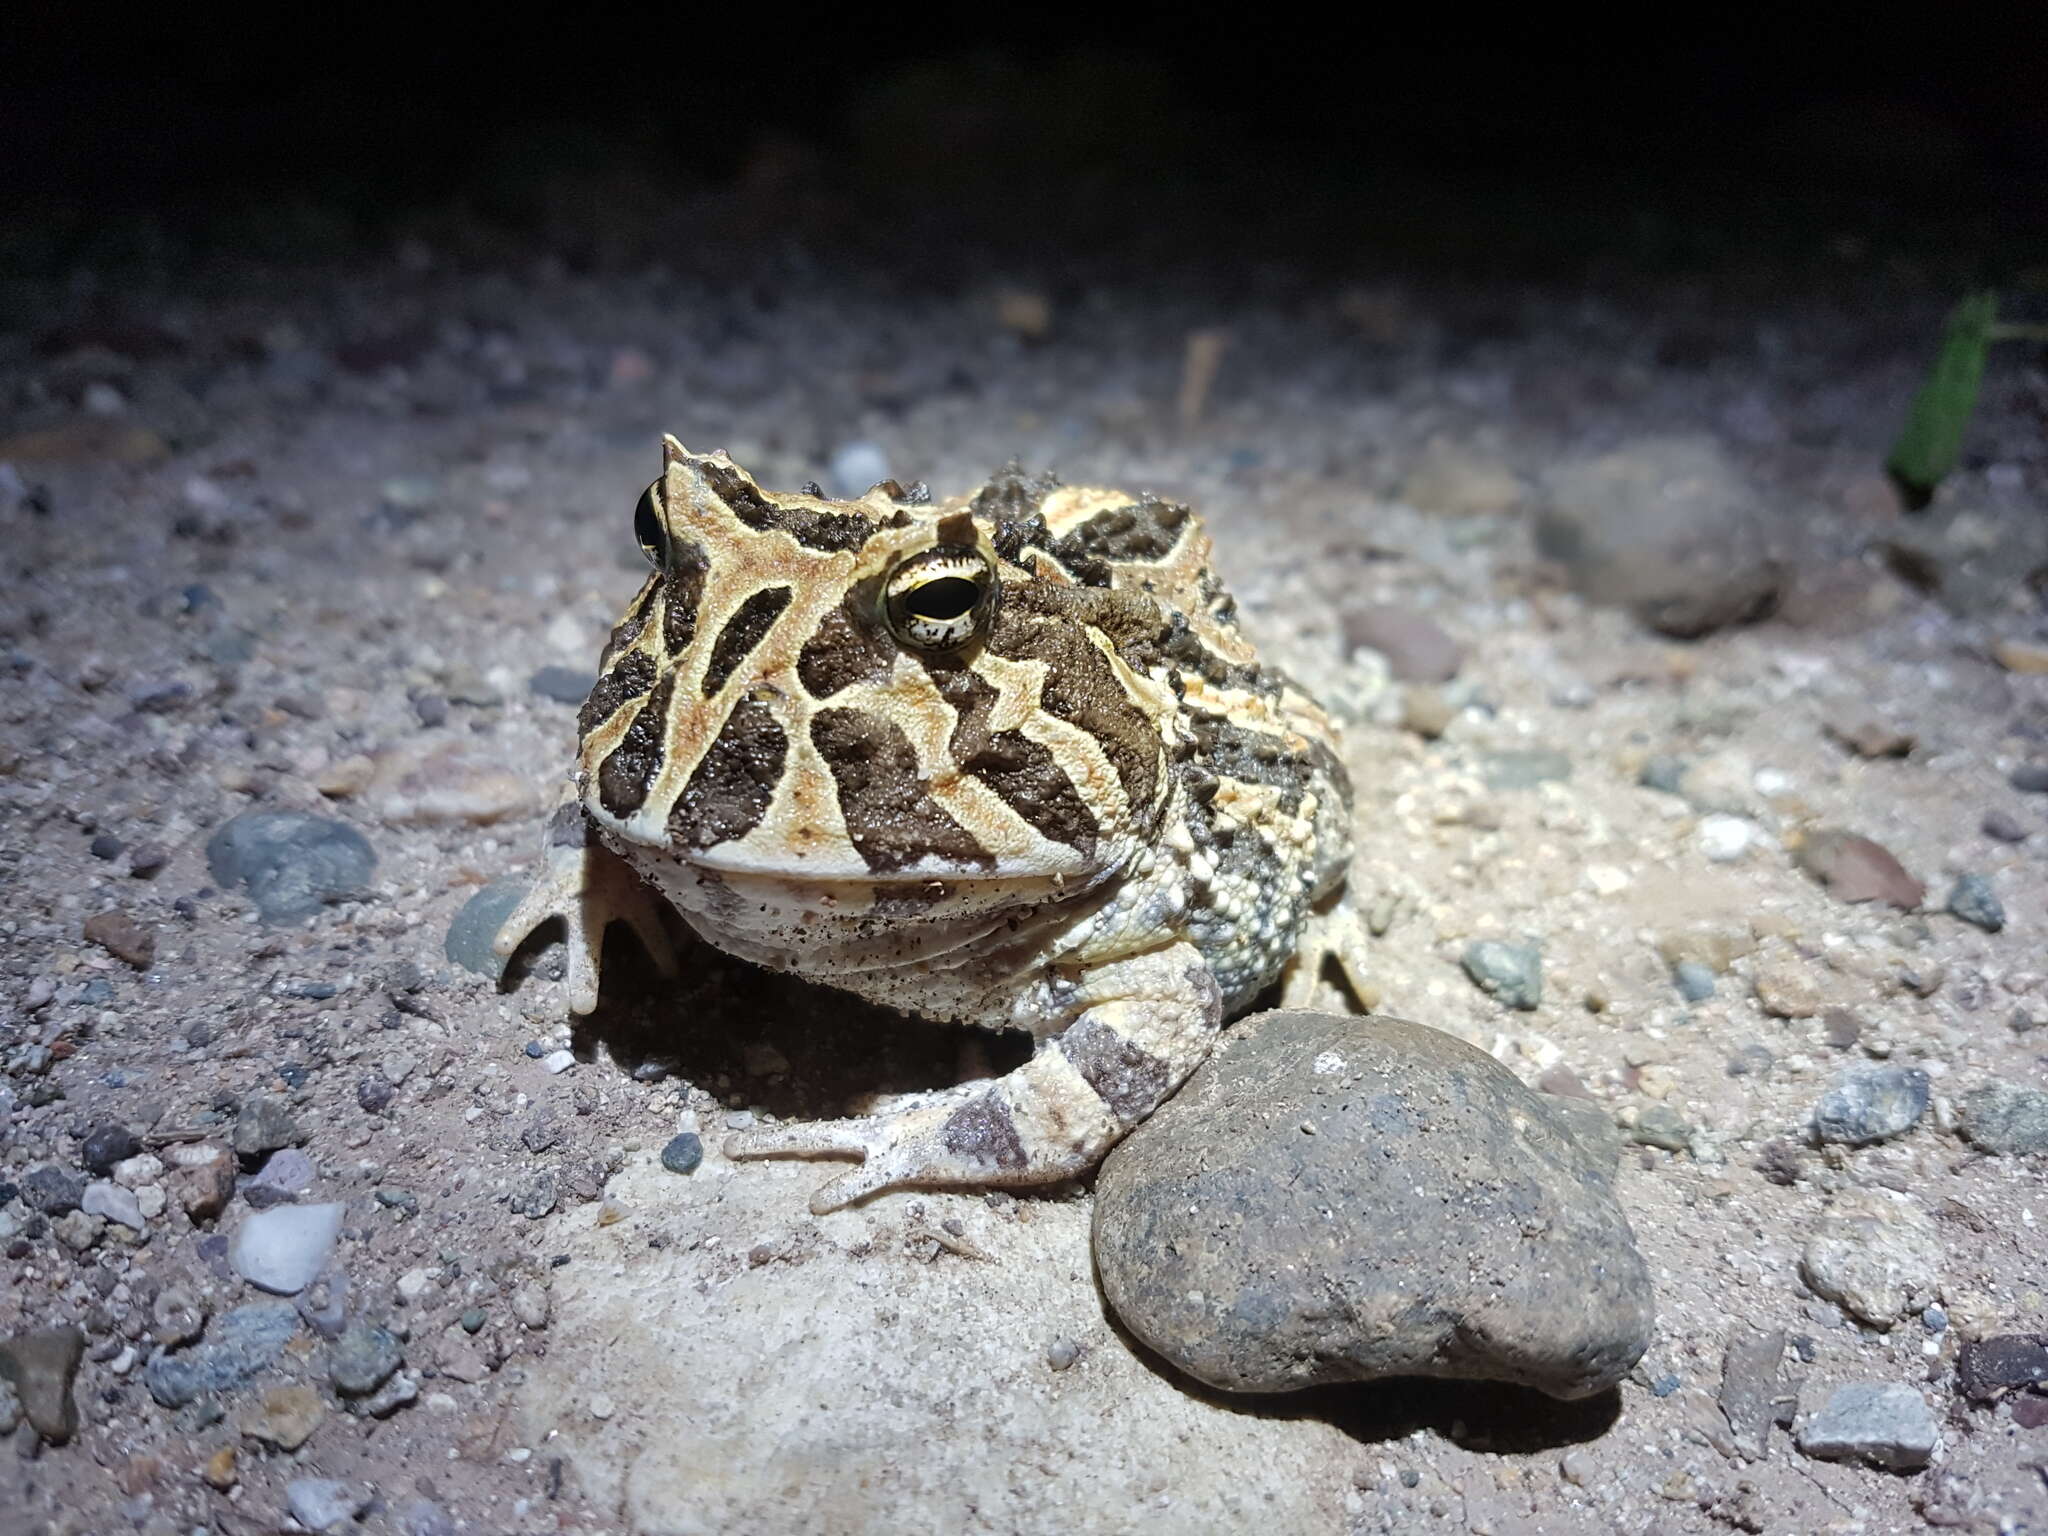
(1140,1024)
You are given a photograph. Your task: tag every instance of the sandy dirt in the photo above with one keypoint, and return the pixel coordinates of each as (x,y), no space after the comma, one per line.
(297,538)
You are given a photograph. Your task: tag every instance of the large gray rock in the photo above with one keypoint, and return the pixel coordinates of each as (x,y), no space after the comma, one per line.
(1334,1199)
(1669,527)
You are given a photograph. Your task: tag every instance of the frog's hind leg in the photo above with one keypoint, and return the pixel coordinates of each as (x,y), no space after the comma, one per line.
(589,887)
(1142,1024)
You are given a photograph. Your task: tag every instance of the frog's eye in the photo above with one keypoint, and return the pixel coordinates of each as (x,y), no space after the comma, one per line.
(940,599)
(649,530)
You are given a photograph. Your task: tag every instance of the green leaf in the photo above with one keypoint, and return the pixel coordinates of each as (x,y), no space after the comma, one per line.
(1933,437)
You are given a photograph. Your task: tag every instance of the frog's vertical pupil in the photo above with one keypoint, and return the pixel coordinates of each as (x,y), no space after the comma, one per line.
(648,530)
(947,598)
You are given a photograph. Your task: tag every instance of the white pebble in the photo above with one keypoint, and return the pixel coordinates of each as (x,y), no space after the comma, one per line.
(102,399)
(601,1407)
(1725,838)
(134,1172)
(566,637)
(322,1503)
(280,1250)
(108,1199)
(558,1061)
(412,1285)
(1605,879)
(856,466)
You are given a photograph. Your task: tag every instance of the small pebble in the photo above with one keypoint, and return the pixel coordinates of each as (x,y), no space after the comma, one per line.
(1525,768)
(1426,712)
(292,864)
(108,1199)
(1786,987)
(2003,827)
(240,1343)
(1855,869)
(1840,1028)
(1663,772)
(263,1125)
(602,1407)
(565,685)
(1987,1369)
(530,1305)
(79,1230)
(107,846)
(1416,647)
(280,1250)
(475,926)
(683,1153)
(2006,1119)
(1752,1060)
(286,1418)
(1695,981)
(436,781)
(1871,1104)
(558,1061)
(41,1367)
(363,1358)
(1061,1354)
(105,1145)
(322,1503)
(1724,839)
(52,1190)
(1973,900)
(1886,1423)
(1512,973)
(1875,1253)
(123,937)
(2030,778)
(855,466)
(374,1094)
(287,1170)
(1663,1127)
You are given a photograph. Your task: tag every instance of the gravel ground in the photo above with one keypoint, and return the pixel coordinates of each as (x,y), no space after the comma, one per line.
(339,541)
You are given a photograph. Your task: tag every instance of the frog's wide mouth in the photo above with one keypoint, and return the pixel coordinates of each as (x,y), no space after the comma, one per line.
(781,876)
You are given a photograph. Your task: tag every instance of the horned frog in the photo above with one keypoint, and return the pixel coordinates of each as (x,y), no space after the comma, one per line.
(1004,760)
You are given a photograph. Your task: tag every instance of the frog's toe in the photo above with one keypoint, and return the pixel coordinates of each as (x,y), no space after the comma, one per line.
(818,1138)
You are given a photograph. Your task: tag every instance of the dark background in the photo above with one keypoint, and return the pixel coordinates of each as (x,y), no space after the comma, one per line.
(1738,129)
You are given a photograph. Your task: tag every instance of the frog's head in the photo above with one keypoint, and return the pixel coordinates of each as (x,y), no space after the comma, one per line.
(958,702)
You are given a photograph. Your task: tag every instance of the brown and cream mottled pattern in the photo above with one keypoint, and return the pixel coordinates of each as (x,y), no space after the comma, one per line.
(1006,759)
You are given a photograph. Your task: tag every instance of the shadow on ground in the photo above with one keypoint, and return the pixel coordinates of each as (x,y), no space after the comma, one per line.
(751,1037)
(1490,1416)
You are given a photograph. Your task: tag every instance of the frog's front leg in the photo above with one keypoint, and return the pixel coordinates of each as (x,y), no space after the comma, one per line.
(1140,1025)
(589,887)
(1334,931)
